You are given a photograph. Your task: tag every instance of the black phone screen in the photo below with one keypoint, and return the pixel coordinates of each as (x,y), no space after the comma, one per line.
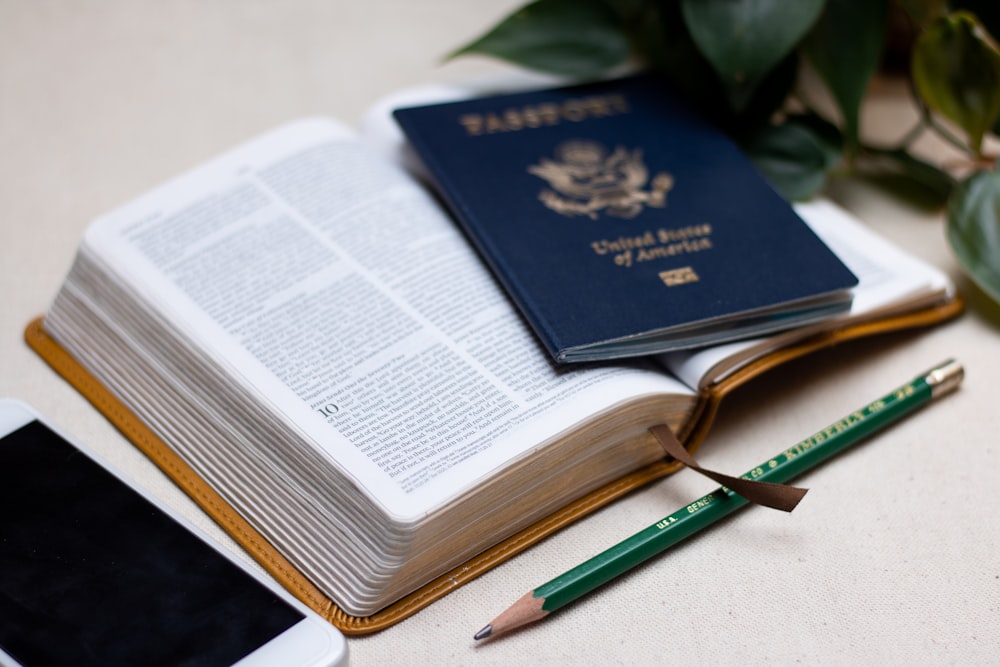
(91,573)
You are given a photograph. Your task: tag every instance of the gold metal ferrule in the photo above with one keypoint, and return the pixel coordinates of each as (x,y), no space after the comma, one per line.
(944,378)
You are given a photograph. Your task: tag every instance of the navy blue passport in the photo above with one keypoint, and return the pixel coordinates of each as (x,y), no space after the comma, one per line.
(622,224)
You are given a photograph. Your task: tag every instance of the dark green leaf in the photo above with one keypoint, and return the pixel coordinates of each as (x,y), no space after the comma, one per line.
(826,132)
(746,39)
(987,11)
(793,157)
(664,42)
(578,38)
(974,230)
(626,10)
(908,177)
(768,97)
(956,70)
(845,47)
(922,12)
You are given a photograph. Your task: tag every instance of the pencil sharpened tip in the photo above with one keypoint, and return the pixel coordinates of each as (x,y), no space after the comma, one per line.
(484,633)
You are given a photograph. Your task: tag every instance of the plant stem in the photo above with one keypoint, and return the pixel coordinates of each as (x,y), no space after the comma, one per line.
(913,134)
(931,122)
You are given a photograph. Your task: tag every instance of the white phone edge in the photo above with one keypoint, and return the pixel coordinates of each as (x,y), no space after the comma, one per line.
(313,642)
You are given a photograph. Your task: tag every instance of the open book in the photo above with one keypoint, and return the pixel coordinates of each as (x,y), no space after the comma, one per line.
(305,327)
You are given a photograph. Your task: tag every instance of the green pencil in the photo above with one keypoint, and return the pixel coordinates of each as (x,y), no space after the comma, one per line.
(720,503)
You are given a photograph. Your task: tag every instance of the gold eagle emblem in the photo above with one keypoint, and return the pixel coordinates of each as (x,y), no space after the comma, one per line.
(586,180)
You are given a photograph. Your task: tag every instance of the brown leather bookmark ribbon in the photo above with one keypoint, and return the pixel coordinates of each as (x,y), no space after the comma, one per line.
(778,496)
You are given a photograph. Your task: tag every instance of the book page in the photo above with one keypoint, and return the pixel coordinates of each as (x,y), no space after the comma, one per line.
(336,290)
(887,277)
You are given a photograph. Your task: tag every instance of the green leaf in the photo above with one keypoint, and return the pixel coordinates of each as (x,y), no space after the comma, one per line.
(794,157)
(974,229)
(626,10)
(845,48)
(768,97)
(663,41)
(987,11)
(956,70)
(745,39)
(922,11)
(577,38)
(919,181)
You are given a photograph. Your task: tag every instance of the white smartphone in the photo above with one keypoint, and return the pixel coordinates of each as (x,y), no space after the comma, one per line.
(95,572)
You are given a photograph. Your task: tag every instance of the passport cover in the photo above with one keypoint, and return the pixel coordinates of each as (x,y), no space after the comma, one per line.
(621,223)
